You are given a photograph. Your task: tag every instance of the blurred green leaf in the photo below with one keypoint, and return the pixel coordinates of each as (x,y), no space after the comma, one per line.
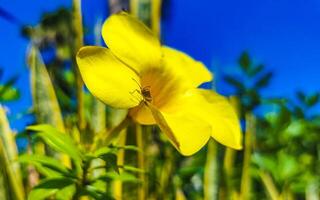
(288,166)
(111,161)
(244,61)
(295,128)
(96,194)
(130,147)
(265,162)
(45,102)
(133,169)
(234,82)
(66,193)
(123,176)
(312,100)
(102,151)
(61,142)
(264,80)
(255,70)
(301,96)
(9,94)
(49,187)
(45,161)
(9,171)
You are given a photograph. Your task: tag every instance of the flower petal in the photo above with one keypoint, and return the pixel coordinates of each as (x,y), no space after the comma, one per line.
(213,109)
(107,78)
(142,115)
(191,71)
(131,41)
(187,133)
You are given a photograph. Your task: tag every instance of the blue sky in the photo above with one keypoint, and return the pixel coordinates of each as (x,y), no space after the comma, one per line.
(282,34)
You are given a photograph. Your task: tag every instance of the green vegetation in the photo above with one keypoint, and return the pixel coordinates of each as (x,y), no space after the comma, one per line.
(78,148)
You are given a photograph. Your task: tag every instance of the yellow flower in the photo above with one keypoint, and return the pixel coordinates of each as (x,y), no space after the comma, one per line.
(158,85)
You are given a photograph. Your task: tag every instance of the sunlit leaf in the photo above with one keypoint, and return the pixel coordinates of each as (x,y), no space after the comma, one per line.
(123,176)
(61,142)
(49,187)
(45,161)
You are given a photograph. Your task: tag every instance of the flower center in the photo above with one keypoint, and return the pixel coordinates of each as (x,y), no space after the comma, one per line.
(158,86)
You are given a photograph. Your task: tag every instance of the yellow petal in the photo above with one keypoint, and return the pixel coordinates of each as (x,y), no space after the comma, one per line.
(213,109)
(131,41)
(192,72)
(107,78)
(187,133)
(142,115)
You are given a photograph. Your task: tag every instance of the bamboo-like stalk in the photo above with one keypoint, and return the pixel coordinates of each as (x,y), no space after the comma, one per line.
(211,174)
(270,186)
(246,179)
(166,173)
(141,162)
(229,158)
(78,43)
(149,12)
(117,185)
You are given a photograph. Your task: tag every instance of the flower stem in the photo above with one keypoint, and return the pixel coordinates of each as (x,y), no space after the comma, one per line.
(141,163)
(270,186)
(246,179)
(211,172)
(117,184)
(78,43)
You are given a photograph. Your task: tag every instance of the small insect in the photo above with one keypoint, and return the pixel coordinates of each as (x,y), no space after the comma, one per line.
(145,92)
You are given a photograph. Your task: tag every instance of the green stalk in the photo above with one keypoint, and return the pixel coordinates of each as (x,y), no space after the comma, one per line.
(117,184)
(270,186)
(228,191)
(246,179)
(141,162)
(211,178)
(78,43)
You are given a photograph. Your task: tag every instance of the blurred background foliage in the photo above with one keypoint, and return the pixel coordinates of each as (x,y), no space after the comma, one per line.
(78,148)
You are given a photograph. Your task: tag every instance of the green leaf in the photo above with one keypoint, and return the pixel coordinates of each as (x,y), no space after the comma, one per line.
(301,96)
(8,94)
(244,61)
(66,193)
(265,162)
(96,194)
(264,80)
(10,172)
(123,176)
(44,98)
(130,147)
(111,161)
(49,187)
(61,142)
(103,150)
(133,169)
(45,161)
(255,70)
(312,100)
(234,82)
